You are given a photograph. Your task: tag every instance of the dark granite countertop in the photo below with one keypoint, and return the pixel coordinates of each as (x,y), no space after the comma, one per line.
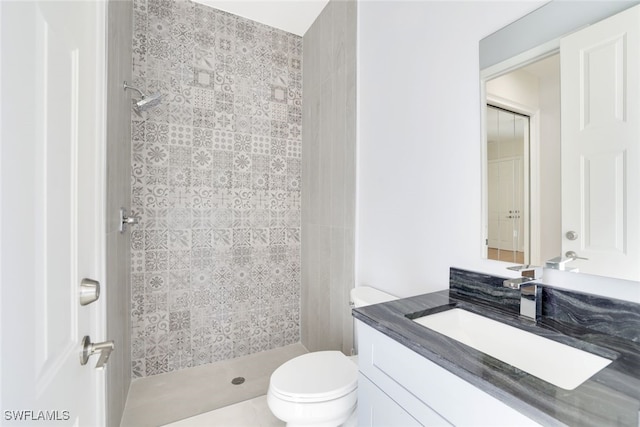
(610,397)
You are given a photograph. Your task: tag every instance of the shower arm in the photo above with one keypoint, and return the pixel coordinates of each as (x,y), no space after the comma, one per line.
(127,86)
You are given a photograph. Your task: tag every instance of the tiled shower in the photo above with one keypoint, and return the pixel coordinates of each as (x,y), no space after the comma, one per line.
(216,171)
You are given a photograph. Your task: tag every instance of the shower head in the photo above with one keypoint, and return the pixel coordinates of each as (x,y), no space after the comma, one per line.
(145,102)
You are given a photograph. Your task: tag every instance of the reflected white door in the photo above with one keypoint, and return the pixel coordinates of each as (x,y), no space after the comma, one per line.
(505,204)
(600,75)
(52,222)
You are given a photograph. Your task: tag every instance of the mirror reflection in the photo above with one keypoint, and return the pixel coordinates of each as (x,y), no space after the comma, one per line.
(507,141)
(531,93)
(562,153)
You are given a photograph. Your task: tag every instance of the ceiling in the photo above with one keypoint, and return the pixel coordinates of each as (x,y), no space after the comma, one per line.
(545,67)
(293,16)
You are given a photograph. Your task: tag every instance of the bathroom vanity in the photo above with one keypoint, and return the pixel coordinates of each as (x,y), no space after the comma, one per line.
(400,387)
(413,375)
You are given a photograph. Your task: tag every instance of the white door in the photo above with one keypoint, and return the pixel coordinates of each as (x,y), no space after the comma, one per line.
(600,77)
(52,221)
(505,202)
(494,213)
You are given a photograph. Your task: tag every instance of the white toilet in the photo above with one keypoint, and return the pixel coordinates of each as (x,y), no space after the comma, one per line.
(320,388)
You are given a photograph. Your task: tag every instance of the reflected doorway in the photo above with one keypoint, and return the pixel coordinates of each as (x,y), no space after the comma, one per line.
(507,144)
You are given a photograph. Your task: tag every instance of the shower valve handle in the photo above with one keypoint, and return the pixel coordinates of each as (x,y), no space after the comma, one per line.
(125,219)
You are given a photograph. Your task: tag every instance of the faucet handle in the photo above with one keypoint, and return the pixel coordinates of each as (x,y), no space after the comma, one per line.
(532,272)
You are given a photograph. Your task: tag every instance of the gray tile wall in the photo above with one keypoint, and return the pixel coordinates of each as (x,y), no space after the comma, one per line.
(216,182)
(117,288)
(328,178)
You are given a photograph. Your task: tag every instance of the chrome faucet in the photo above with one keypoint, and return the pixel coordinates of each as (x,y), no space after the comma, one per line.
(530,301)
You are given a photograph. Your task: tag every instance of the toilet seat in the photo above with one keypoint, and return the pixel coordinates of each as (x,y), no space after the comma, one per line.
(315,377)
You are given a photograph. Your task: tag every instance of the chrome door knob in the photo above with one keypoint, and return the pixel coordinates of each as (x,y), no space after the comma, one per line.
(89,349)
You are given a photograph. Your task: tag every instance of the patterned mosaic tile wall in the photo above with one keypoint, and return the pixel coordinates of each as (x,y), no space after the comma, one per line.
(216,182)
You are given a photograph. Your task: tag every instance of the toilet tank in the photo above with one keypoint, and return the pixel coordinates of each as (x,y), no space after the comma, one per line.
(366,295)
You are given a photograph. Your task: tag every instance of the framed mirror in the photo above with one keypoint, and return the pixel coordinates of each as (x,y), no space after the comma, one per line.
(561,139)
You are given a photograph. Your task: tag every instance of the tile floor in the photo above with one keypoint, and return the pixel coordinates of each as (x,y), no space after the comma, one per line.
(166,398)
(250,413)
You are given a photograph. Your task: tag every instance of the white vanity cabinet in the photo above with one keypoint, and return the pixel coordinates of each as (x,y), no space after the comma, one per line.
(399,387)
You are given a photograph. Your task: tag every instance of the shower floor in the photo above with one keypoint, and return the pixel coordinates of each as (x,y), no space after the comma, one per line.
(166,398)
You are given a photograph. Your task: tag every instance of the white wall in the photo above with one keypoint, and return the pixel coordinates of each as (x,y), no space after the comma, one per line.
(419,193)
(328,178)
(117,287)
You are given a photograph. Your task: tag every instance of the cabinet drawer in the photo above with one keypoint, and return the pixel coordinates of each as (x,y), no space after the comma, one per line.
(377,409)
(394,367)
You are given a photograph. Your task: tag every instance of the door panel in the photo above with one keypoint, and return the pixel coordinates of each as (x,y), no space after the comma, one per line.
(602,89)
(600,149)
(505,204)
(493,204)
(55,195)
(603,179)
(52,208)
(507,148)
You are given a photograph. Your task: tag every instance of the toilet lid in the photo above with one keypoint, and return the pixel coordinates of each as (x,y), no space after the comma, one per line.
(316,376)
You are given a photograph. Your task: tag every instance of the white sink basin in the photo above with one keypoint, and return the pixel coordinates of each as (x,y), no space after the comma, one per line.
(559,364)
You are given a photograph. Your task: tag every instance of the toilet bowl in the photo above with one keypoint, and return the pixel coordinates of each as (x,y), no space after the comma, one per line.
(320,388)
(316,389)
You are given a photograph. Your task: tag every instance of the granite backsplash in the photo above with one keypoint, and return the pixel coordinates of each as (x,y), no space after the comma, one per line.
(581,312)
